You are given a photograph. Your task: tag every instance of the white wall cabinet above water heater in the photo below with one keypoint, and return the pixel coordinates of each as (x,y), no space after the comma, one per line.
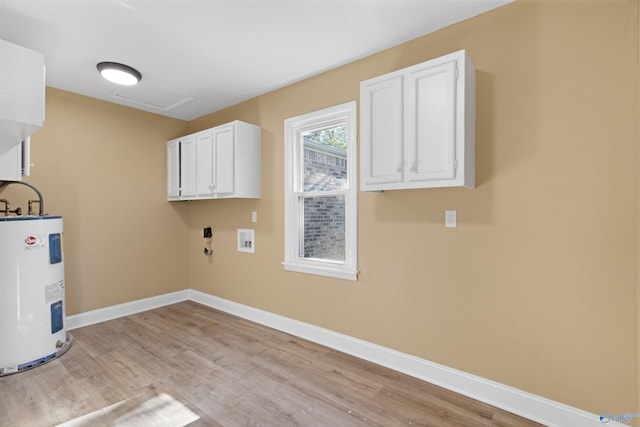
(418,126)
(217,163)
(22,88)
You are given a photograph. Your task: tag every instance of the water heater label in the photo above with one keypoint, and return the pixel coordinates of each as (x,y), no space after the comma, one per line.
(54,292)
(55,248)
(33,242)
(57,312)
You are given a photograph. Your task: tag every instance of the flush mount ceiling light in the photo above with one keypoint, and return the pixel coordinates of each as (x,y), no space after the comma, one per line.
(119,73)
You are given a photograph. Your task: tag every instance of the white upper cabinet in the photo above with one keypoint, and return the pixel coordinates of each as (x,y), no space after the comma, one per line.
(173,169)
(12,162)
(418,126)
(22,87)
(221,162)
(382,130)
(188,152)
(216,163)
(205,158)
(22,93)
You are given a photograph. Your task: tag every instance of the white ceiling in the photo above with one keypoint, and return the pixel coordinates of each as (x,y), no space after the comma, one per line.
(199,56)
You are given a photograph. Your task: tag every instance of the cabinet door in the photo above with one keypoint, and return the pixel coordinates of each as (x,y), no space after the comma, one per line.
(430,122)
(206,180)
(381,148)
(11,163)
(224,159)
(188,167)
(173,169)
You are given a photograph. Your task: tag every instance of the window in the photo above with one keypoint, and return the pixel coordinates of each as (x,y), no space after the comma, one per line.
(321,192)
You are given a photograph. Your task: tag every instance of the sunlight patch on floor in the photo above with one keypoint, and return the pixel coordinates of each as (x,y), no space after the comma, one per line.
(160,410)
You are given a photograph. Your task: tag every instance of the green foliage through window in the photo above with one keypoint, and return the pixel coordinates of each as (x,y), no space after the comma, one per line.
(333,136)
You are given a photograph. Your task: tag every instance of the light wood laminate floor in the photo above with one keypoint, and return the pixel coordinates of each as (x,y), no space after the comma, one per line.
(187,364)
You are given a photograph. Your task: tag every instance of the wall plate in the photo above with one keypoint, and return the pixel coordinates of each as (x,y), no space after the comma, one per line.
(246,240)
(450,219)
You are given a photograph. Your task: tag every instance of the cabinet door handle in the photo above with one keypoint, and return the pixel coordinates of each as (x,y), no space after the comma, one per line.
(414,168)
(399,168)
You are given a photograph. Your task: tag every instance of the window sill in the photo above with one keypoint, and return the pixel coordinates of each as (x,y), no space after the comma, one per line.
(328,271)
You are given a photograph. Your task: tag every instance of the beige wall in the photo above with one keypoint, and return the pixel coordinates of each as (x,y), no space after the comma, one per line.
(103,168)
(537,286)
(637,210)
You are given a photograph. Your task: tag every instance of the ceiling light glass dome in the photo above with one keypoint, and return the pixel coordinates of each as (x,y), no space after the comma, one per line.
(119,73)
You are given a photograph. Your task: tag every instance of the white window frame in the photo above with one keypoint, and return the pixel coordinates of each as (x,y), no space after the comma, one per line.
(294,127)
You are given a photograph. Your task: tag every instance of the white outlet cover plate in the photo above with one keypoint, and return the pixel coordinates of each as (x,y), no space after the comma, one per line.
(246,240)
(450,219)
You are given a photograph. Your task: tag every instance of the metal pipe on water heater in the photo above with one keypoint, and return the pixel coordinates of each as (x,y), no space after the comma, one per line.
(40,198)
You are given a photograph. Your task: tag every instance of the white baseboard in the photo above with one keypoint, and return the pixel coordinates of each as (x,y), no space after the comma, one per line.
(113,312)
(527,405)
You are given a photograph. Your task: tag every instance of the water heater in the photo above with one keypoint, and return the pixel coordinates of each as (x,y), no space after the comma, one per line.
(32,296)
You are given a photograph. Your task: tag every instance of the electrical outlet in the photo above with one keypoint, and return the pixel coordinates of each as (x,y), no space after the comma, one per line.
(450,219)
